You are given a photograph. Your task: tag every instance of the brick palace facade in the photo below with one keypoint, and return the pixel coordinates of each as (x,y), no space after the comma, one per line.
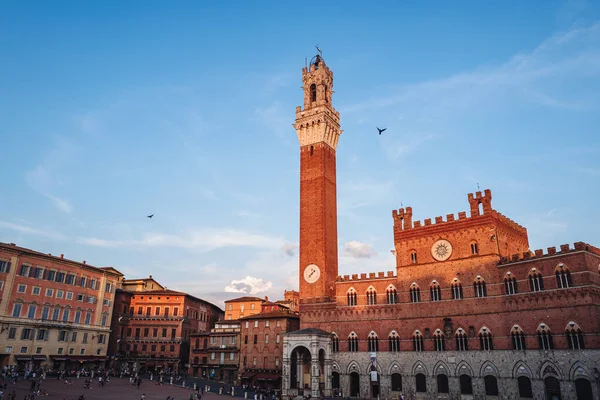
(468,312)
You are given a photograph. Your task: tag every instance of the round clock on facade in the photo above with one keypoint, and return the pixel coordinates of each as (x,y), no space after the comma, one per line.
(312,273)
(441,250)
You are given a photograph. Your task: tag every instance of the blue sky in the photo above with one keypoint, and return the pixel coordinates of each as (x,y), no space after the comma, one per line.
(111,111)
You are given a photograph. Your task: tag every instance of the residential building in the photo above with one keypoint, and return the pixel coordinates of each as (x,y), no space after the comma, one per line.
(54,312)
(215,355)
(153,327)
(261,344)
(241,307)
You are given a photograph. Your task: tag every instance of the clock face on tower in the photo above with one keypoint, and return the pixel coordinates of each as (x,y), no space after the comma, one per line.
(441,250)
(312,273)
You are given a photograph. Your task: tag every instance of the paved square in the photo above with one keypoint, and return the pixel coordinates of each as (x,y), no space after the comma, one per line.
(119,389)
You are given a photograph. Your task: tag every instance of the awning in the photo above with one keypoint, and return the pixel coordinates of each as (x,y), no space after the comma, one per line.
(23,358)
(248,375)
(266,376)
(40,357)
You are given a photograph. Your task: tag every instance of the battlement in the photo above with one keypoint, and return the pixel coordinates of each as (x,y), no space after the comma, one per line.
(364,277)
(403,216)
(550,251)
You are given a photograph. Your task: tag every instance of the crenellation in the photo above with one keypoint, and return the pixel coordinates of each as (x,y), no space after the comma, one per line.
(450,217)
(363,276)
(354,277)
(417,224)
(551,250)
(371,275)
(539,253)
(427,221)
(439,220)
(390,274)
(564,248)
(346,277)
(462,215)
(381,274)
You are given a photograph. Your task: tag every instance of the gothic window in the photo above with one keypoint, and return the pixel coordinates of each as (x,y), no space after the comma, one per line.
(394,342)
(525,390)
(485,339)
(574,336)
(536,281)
(373,342)
(351,297)
(439,340)
(413,257)
(415,293)
(462,343)
(479,287)
(466,384)
(313,92)
(396,382)
(335,343)
(491,385)
(544,337)
(510,284)
(563,277)
(456,287)
(371,296)
(421,383)
(353,342)
(442,384)
(474,248)
(435,291)
(417,341)
(391,295)
(517,338)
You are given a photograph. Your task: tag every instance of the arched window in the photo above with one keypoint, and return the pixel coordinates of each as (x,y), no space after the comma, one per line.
(457,291)
(525,390)
(435,291)
(351,295)
(574,336)
(466,385)
(313,92)
(352,342)
(413,257)
(517,338)
(510,284)
(536,281)
(474,248)
(394,342)
(485,339)
(373,342)
(442,384)
(491,385)
(439,340)
(417,341)
(462,343)
(371,296)
(396,382)
(421,383)
(544,337)
(479,287)
(335,343)
(197,343)
(563,277)
(391,295)
(415,293)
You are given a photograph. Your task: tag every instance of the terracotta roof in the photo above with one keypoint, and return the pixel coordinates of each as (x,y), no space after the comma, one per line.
(11,247)
(245,298)
(272,314)
(169,292)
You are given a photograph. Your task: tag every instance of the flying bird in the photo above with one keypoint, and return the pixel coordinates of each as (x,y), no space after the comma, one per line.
(150,216)
(381,130)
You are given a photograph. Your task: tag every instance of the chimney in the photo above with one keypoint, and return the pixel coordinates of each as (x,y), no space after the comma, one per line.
(266,298)
(83,262)
(62,256)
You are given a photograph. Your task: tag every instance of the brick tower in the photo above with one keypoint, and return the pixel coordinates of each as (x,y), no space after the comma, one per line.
(318,129)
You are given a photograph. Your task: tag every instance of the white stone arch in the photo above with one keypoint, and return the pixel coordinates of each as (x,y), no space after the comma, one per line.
(549,368)
(521,369)
(579,370)
(335,367)
(377,367)
(391,287)
(394,368)
(351,290)
(393,332)
(419,368)
(441,368)
(371,287)
(463,368)
(353,366)
(488,368)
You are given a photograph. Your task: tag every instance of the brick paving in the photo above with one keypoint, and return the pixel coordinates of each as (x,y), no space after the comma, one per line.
(118,389)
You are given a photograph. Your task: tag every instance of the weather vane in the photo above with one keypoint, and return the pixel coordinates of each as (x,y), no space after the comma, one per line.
(319,50)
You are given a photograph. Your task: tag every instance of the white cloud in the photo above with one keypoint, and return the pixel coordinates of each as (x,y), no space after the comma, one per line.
(31,231)
(406,144)
(62,205)
(201,239)
(290,249)
(247,214)
(249,285)
(358,249)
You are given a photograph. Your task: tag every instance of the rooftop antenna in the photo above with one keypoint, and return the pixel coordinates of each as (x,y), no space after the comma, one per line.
(305,63)
(401,204)
(478,187)
(319,50)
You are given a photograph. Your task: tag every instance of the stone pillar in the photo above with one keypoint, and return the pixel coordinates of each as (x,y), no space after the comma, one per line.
(327,377)
(300,372)
(314,376)
(286,376)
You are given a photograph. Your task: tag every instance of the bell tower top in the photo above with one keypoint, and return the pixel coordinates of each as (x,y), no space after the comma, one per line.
(318,121)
